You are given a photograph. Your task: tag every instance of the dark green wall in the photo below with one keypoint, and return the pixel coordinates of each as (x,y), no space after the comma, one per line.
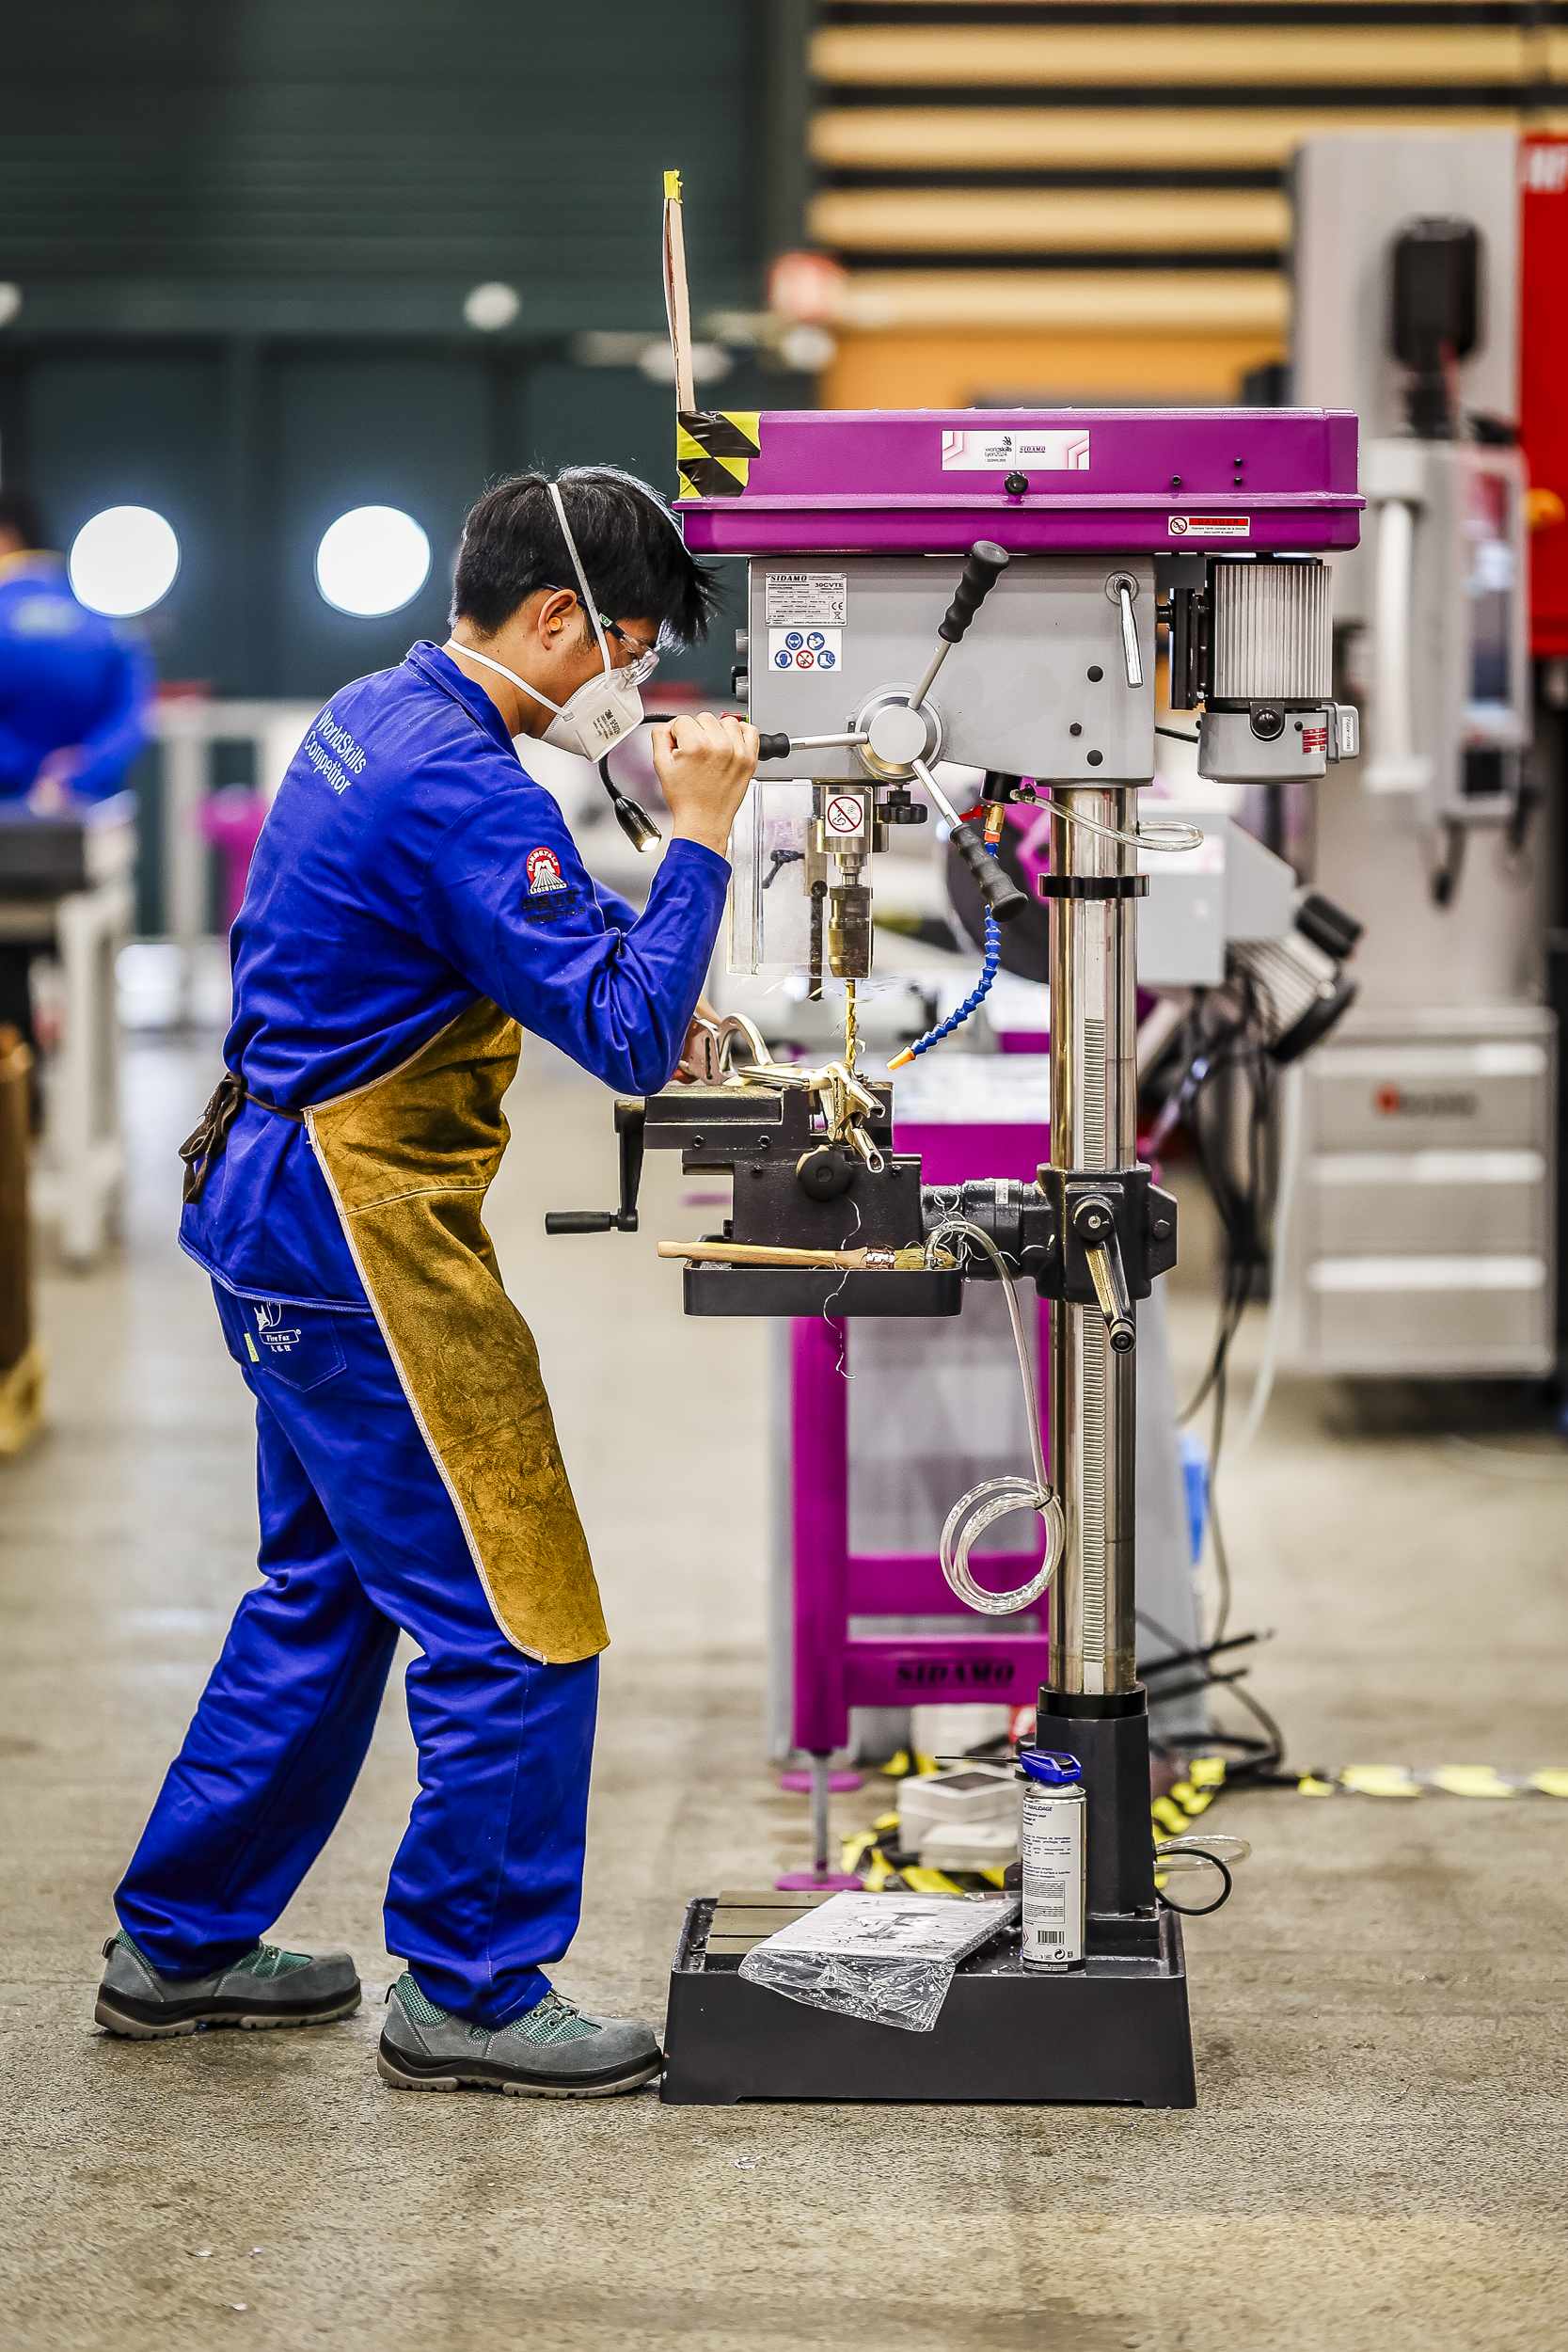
(243,233)
(332,166)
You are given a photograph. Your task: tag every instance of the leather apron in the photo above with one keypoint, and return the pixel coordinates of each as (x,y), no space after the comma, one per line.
(410,1159)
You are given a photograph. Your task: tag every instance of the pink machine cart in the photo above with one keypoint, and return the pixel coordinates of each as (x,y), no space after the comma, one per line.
(834,1670)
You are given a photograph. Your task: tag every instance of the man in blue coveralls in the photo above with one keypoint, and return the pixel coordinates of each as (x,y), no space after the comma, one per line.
(416,900)
(74,697)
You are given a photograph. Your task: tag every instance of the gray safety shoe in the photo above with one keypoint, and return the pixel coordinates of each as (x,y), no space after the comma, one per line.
(553,2052)
(266,1988)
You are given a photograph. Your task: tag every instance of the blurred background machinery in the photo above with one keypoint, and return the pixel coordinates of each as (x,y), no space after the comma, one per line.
(1426,1218)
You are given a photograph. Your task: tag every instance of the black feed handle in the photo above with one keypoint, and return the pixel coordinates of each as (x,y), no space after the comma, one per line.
(772,747)
(630,1120)
(983,567)
(996,885)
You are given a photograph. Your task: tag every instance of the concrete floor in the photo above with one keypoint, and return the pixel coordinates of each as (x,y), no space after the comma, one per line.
(1378,2155)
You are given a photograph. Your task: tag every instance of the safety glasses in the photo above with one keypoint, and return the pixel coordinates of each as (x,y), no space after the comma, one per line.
(644,660)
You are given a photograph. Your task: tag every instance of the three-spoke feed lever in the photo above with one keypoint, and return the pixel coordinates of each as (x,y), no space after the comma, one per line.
(983,567)
(631,1117)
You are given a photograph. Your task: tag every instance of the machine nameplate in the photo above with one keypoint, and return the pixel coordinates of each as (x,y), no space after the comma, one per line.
(808,600)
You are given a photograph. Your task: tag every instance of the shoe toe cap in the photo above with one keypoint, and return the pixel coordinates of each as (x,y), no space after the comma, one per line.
(620,2041)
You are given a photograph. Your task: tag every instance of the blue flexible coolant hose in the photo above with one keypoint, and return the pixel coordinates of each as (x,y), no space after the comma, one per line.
(957,1019)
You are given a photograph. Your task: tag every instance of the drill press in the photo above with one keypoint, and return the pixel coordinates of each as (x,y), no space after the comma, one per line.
(1071,534)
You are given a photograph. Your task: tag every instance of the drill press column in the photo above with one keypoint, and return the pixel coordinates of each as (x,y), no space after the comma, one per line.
(1094,1705)
(1093,1127)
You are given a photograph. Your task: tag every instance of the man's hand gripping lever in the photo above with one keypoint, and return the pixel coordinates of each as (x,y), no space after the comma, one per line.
(629,1120)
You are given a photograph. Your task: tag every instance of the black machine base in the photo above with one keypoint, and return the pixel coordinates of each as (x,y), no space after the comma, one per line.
(1113,2032)
(714,1289)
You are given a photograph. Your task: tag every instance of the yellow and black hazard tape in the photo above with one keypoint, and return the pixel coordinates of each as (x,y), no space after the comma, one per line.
(1449,1780)
(1188,1797)
(714,449)
(873,1854)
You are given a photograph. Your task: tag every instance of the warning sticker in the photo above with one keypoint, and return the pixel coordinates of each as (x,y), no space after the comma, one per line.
(1212,526)
(999,453)
(806,648)
(845,814)
(807,600)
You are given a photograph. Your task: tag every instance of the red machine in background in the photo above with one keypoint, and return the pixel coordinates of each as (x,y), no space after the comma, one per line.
(1544,383)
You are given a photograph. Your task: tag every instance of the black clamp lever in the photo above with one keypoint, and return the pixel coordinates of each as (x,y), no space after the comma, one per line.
(631,1117)
(1094,1223)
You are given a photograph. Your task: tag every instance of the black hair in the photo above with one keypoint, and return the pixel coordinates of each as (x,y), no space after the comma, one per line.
(21,512)
(632,553)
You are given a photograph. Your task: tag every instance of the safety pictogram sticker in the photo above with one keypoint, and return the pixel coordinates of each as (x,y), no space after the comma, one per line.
(806,648)
(1210,526)
(845,814)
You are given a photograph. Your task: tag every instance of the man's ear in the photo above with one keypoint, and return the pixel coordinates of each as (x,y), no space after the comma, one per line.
(555,616)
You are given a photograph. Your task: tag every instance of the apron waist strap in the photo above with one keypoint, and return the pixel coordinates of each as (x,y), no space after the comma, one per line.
(202,1149)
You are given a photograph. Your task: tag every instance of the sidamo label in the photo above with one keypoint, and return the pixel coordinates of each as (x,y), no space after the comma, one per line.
(954,1674)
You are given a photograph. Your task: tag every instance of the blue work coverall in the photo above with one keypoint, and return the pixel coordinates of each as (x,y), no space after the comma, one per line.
(67,678)
(414,895)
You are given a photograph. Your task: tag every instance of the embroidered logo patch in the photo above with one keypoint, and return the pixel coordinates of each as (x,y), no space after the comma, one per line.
(544,871)
(271,1329)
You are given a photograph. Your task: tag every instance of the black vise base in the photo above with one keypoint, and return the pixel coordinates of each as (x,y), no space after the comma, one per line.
(875,1212)
(711,1289)
(1113,2033)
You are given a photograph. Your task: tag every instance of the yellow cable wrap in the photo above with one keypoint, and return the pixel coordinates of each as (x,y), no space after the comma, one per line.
(714,447)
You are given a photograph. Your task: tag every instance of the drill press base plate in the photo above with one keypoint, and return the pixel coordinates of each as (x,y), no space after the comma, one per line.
(1115,2032)
(711,1289)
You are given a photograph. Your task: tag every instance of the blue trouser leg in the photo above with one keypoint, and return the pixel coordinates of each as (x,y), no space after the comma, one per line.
(276,1741)
(360,1537)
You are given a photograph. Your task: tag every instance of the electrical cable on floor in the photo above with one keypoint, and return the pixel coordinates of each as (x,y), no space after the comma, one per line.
(1289,1165)
(1196,1911)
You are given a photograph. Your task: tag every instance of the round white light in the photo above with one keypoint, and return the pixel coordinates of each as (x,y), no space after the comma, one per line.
(710,363)
(492,306)
(808,348)
(374,559)
(123,561)
(11,302)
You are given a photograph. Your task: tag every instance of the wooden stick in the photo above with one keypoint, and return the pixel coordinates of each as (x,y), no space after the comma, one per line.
(677,302)
(907,1260)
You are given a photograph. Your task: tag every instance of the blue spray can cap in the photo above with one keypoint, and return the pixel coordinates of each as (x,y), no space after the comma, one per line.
(1050,1765)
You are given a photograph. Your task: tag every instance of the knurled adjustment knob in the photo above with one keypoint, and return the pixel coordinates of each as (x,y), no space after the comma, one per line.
(1015,485)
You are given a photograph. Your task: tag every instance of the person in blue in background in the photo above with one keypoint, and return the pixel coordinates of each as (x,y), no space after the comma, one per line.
(414,902)
(75,694)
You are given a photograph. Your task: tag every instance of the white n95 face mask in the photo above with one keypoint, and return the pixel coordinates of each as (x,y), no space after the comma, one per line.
(605,710)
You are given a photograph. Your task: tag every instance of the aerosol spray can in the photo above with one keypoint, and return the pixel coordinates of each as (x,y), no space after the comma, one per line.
(1052,1809)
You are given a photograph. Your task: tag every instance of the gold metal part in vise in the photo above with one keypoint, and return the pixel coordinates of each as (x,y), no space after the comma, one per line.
(841,1099)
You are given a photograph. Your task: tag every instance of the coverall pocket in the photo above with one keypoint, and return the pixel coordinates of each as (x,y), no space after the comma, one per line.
(297,1345)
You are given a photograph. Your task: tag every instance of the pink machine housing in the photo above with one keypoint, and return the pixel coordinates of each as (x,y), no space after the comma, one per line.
(1037,481)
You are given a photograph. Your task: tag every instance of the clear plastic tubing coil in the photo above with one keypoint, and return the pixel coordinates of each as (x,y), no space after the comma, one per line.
(995,1498)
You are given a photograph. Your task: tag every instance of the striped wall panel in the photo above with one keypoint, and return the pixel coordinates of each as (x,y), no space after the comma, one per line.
(1095,191)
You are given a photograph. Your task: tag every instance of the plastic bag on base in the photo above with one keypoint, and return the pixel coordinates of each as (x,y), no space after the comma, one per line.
(886,1959)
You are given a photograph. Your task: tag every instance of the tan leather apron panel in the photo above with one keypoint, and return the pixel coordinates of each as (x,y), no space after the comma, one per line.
(409,1160)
